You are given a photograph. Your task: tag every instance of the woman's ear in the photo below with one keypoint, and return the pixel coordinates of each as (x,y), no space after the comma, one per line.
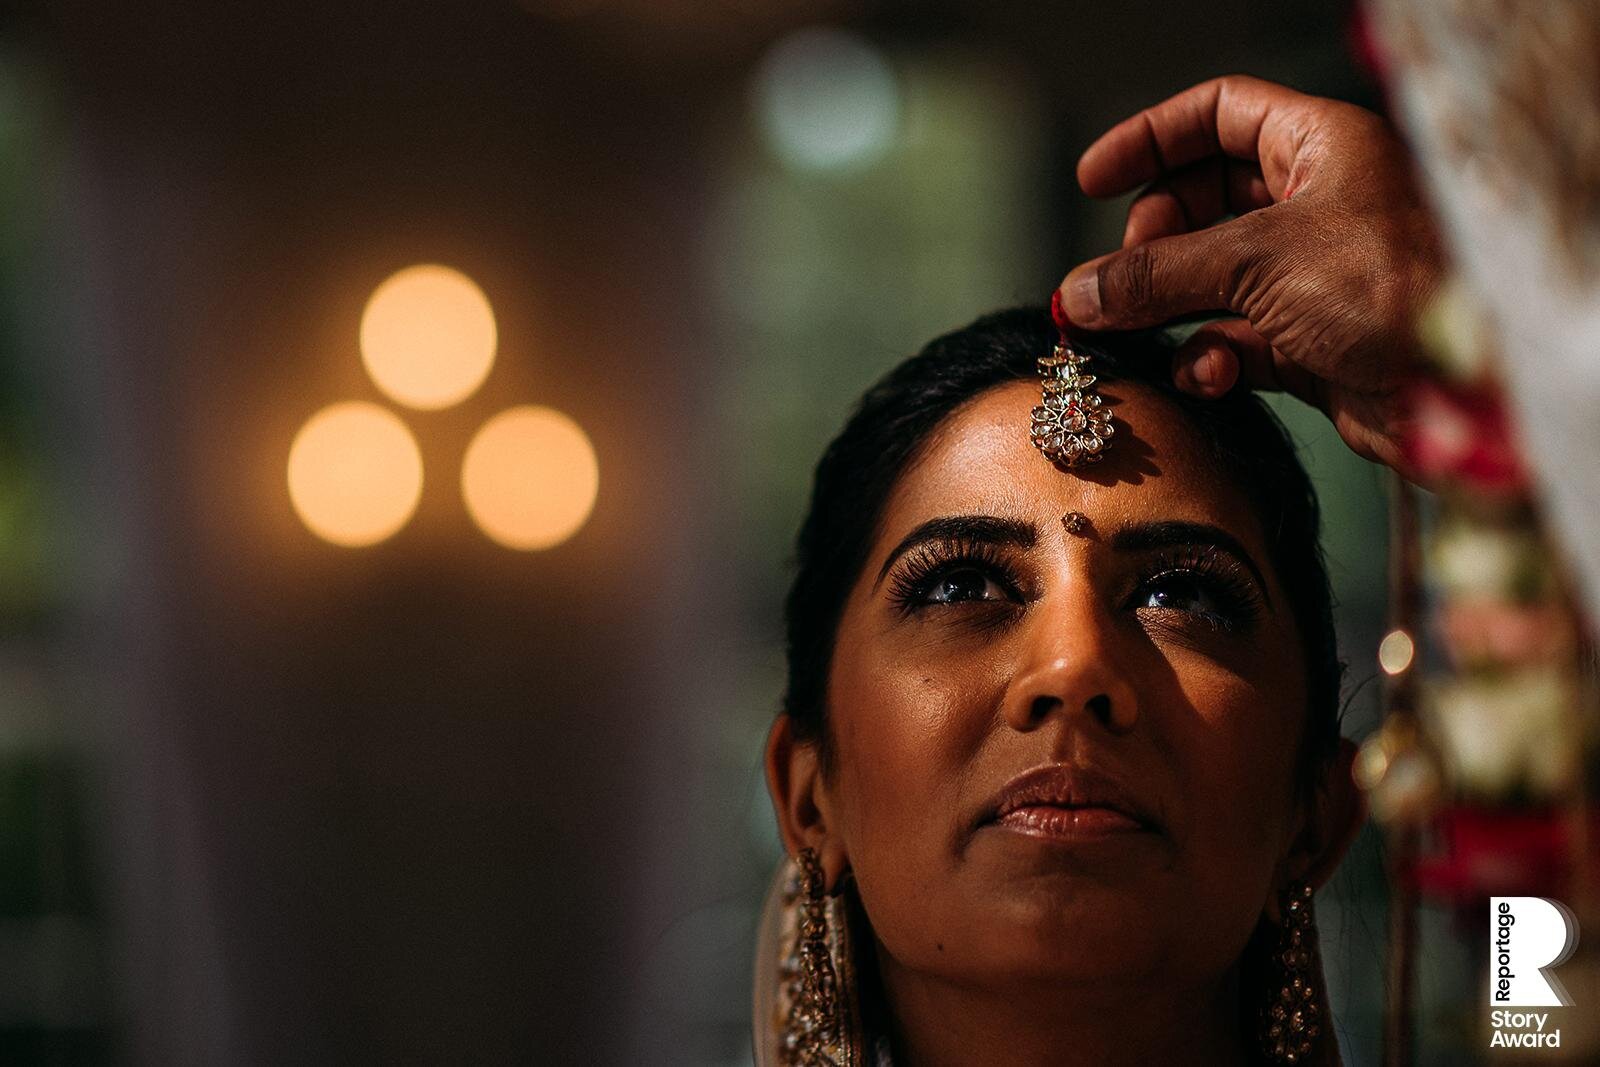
(1337,815)
(800,798)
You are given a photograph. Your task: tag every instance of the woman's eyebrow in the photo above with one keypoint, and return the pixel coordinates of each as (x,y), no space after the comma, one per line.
(965,528)
(1176,534)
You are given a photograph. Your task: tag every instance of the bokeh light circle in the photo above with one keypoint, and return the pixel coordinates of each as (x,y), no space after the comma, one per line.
(428,336)
(1396,651)
(827,100)
(355,474)
(530,477)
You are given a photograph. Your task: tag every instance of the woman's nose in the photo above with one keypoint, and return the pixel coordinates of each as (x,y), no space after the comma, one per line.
(1069,666)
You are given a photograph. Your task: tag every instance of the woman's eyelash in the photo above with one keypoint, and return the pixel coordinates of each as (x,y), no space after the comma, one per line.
(1220,591)
(1214,572)
(925,566)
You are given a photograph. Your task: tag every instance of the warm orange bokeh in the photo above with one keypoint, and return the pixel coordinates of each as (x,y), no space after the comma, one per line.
(530,477)
(428,337)
(355,474)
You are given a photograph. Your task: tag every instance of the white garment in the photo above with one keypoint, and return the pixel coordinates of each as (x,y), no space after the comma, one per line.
(1488,172)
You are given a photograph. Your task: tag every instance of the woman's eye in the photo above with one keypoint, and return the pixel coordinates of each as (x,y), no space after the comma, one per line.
(963,585)
(1182,592)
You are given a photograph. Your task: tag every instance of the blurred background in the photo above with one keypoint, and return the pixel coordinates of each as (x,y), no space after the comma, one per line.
(465,767)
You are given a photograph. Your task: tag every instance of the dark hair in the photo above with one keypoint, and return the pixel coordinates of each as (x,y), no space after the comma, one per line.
(894,419)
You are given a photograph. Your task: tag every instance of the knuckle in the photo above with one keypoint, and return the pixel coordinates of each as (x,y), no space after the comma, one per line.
(1242,286)
(1235,81)
(1129,280)
(1248,273)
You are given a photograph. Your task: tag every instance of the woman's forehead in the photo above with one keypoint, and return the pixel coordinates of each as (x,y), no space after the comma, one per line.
(980,461)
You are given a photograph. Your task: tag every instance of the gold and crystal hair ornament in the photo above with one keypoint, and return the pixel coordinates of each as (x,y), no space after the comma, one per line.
(1071,425)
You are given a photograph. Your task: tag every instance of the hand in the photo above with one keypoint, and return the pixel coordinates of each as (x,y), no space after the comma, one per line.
(1328,261)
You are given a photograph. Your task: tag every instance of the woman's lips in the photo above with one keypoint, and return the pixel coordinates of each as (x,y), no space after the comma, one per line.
(1069,824)
(1068,802)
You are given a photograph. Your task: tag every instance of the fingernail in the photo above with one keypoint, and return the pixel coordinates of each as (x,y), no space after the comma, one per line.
(1204,370)
(1081,293)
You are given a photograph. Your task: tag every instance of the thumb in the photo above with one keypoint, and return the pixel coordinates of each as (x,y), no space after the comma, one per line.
(1153,282)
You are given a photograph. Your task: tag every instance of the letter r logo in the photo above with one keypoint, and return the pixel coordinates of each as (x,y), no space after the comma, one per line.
(1527,936)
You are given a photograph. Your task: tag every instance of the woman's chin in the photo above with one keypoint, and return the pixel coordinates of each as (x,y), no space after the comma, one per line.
(1097,937)
(1075,894)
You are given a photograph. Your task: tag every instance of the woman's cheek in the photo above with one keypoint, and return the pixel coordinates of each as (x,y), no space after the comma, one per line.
(906,731)
(1232,753)
(899,741)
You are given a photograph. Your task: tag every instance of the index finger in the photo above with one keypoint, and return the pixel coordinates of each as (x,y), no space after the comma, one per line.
(1236,116)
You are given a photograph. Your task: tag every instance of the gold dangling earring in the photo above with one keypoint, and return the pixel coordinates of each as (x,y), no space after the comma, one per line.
(1291,1022)
(817,1032)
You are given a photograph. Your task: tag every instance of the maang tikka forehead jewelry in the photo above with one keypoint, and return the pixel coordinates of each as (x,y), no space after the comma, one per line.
(1071,426)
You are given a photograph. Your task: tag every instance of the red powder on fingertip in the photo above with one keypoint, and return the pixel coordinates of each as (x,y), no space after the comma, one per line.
(1058,312)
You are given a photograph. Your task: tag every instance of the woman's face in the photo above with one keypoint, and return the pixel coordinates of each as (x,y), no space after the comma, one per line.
(1058,754)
